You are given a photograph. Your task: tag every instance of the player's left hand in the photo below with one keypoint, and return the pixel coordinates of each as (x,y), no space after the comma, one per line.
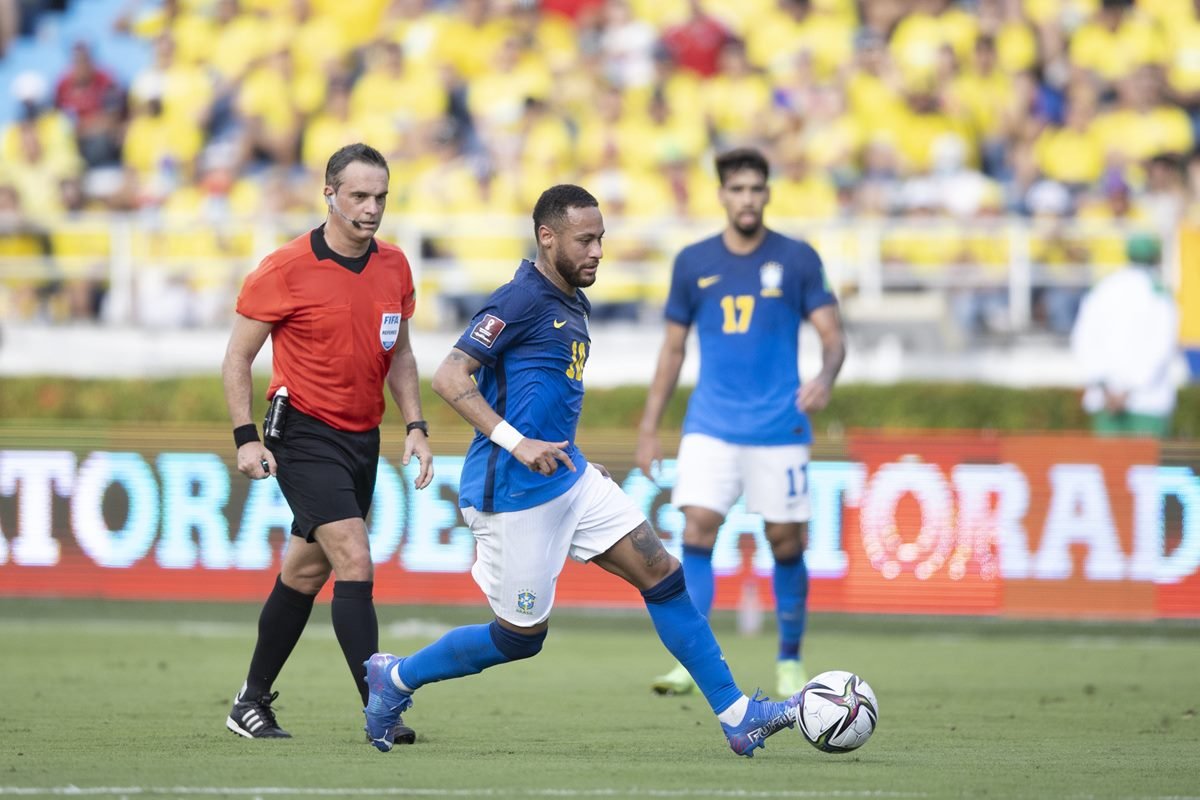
(416,444)
(603,469)
(813,395)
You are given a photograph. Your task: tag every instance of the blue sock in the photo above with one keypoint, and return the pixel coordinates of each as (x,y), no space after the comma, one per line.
(791,604)
(689,638)
(466,651)
(698,574)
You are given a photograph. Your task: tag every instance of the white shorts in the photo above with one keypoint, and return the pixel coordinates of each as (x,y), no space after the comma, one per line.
(520,554)
(713,473)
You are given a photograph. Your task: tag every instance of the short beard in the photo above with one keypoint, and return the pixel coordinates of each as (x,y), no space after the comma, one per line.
(750,231)
(571,274)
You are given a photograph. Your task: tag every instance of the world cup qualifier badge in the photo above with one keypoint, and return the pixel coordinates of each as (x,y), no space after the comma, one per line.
(389,330)
(487,329)
(525,601)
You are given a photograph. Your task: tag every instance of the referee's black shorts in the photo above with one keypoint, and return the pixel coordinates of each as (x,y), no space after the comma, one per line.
(325,474)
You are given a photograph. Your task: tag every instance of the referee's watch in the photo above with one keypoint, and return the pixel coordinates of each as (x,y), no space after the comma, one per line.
(420,425)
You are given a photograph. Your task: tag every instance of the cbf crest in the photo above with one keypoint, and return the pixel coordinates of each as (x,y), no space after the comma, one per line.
(771,276)
(526,600)
(389,330)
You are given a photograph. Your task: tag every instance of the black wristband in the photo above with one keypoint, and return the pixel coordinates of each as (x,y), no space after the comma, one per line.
(244,434)
(420,425)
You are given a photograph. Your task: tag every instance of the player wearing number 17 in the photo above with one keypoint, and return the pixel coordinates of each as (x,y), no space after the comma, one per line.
(747,290)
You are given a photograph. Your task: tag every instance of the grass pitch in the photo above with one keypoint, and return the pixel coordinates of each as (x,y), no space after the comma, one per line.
(129,700)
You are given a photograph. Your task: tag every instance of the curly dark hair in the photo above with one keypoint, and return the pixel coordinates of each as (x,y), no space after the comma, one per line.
(551,208)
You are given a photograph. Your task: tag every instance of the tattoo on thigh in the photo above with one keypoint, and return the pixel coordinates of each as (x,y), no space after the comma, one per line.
(647,543)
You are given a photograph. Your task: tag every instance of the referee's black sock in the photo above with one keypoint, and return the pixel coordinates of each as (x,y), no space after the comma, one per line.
(356,627)
(280,624)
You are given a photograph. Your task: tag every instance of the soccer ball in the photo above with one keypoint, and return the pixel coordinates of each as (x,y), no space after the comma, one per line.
(838,711)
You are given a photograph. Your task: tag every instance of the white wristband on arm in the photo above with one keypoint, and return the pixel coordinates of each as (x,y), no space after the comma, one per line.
(506,435)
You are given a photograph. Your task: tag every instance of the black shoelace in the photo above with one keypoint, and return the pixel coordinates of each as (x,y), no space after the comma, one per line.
(265,711)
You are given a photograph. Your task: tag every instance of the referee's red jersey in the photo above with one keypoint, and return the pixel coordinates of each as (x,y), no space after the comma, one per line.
(335,325)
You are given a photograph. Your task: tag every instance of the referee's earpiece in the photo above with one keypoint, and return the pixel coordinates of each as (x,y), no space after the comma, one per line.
(338,211)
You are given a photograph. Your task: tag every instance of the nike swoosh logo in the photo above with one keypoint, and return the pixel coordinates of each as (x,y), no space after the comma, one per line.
(558,324)
(704,283)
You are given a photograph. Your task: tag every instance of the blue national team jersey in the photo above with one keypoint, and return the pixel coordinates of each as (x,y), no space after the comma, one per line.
(747,311)
(533,343)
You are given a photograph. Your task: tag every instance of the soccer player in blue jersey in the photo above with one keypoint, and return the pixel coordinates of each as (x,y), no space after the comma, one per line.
(533,500)
(746,290)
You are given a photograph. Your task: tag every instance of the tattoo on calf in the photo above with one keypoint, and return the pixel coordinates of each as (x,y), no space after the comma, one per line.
(647,543)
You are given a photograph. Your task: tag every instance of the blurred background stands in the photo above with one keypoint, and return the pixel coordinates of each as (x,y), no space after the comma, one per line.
(967,169)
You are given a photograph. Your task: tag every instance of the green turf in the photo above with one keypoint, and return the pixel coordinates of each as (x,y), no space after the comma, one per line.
(133,697)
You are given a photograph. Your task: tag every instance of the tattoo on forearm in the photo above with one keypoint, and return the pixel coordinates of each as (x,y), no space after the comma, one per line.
(647,543)
(472,392)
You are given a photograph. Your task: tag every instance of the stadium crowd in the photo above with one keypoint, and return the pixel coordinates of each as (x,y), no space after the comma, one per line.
(929,112)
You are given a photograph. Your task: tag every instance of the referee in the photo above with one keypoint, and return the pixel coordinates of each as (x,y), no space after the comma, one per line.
(336,304)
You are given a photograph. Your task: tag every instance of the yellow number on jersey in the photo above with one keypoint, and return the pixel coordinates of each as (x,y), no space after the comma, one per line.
(578,359)
(738,310)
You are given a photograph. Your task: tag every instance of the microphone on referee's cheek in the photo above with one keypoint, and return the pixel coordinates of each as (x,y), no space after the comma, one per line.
(333,207)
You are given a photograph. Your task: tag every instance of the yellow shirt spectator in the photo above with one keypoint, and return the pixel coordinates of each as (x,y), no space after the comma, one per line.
(1064,12)
(1070,155)
(874,102)
(1167,13)
(700,186)
(318,43)
(1105,225)
(1138,135)
(772,43)
(1115,54)
(153,140)
(275,95)
(553,37)
(328,132)
(799,193)
(918,130)
(55,137)
(1183,62)
(682,90)
(984,98)
(660,13)
(737,97)
(241,200)
(193,36)
(1016,47)
(234,47)
(660,137)
(186,90)
(470,46)
(356,21)
(546,141)
(918,38)
(407,91)
(497,98)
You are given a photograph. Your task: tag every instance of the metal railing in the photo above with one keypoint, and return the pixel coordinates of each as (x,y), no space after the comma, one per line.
(126,270)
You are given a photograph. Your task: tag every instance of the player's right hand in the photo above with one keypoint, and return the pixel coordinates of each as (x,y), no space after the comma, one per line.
(649,453)
(543,457)
(255,461)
